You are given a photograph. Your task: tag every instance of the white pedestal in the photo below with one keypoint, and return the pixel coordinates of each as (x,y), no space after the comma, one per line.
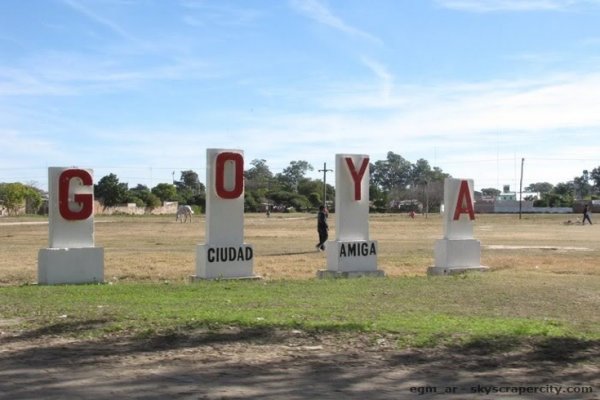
(351,258)
(456,256)
(224,262)
(71,265)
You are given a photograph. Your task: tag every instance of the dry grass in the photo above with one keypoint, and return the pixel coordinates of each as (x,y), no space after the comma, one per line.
(158,248)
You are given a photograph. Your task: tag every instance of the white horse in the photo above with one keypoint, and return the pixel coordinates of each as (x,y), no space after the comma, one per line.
(183,213)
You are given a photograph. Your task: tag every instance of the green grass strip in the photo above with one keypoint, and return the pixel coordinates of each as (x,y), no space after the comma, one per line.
(418,311)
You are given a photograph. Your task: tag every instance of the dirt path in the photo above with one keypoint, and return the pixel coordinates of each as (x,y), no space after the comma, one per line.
(267,364)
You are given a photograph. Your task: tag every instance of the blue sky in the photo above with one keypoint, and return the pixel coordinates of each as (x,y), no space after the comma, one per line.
(142,88)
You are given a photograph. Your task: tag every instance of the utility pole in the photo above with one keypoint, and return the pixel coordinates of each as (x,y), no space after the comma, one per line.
(521,189)
(268,200)
(426,198)
(325,171)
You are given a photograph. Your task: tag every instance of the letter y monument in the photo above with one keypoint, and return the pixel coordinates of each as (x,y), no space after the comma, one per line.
(351,254)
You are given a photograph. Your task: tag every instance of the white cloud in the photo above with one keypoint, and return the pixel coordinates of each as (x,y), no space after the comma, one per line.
(317,11)
(67,74)
(515,5)
(215,13)
(559,102)
(111,25)
(383,74)
(471,130)
(478,130)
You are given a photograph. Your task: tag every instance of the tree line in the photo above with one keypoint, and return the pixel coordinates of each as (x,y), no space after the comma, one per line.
(564,194)
(394,178)
(396,184)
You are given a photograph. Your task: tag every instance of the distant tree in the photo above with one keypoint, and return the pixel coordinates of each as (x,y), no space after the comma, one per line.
(259,176)
(153,201)
(258,182)
(165,192)
(437,175)
(564,189)
(553,199)
(17,195)
(143,197)
(189,179)
(491,192)
(251,203)
(540,187)
(595,176)
(313,191)
(189,189)
(139,192)
(583,189)
(109,191)
(300,203)
(289,199)
(393,174)
(420,172)
(291,175)
(378,197)
(314,199)
(427,184)
(562,195)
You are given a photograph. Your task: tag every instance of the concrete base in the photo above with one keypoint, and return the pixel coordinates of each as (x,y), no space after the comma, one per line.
(70,265)
(455,271)
(456,256)
(224,262)
(453,253)
(352,256)
(196,278)
(327,274)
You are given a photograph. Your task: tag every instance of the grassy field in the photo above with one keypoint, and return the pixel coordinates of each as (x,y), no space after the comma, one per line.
(532,320)
(158,249)
(544,281)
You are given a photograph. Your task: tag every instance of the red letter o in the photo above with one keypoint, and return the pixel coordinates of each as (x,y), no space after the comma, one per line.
(238,186)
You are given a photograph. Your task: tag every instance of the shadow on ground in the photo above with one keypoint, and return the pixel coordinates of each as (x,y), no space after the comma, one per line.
(269,363)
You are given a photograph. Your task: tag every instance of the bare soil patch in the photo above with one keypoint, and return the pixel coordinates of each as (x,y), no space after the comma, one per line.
(157,248)
(236,363)
(272,364)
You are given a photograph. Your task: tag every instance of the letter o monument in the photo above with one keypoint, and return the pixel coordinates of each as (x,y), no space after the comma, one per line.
(224,254)
(71,256)
(458,251)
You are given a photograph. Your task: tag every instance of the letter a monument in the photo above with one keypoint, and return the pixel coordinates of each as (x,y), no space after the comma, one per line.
(458,251)
(71,256)
(224,255)
(352,253)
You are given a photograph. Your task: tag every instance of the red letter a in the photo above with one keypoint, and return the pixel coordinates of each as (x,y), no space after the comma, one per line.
(464,204)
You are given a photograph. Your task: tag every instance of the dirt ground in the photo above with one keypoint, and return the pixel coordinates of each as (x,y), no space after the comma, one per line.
(269,364)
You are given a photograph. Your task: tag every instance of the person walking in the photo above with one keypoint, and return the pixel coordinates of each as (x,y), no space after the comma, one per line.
(586,215)
(322,228)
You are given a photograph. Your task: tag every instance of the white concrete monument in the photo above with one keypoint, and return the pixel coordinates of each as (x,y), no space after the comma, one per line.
(71,256)
(224,255)
(351,253)
(458,251)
